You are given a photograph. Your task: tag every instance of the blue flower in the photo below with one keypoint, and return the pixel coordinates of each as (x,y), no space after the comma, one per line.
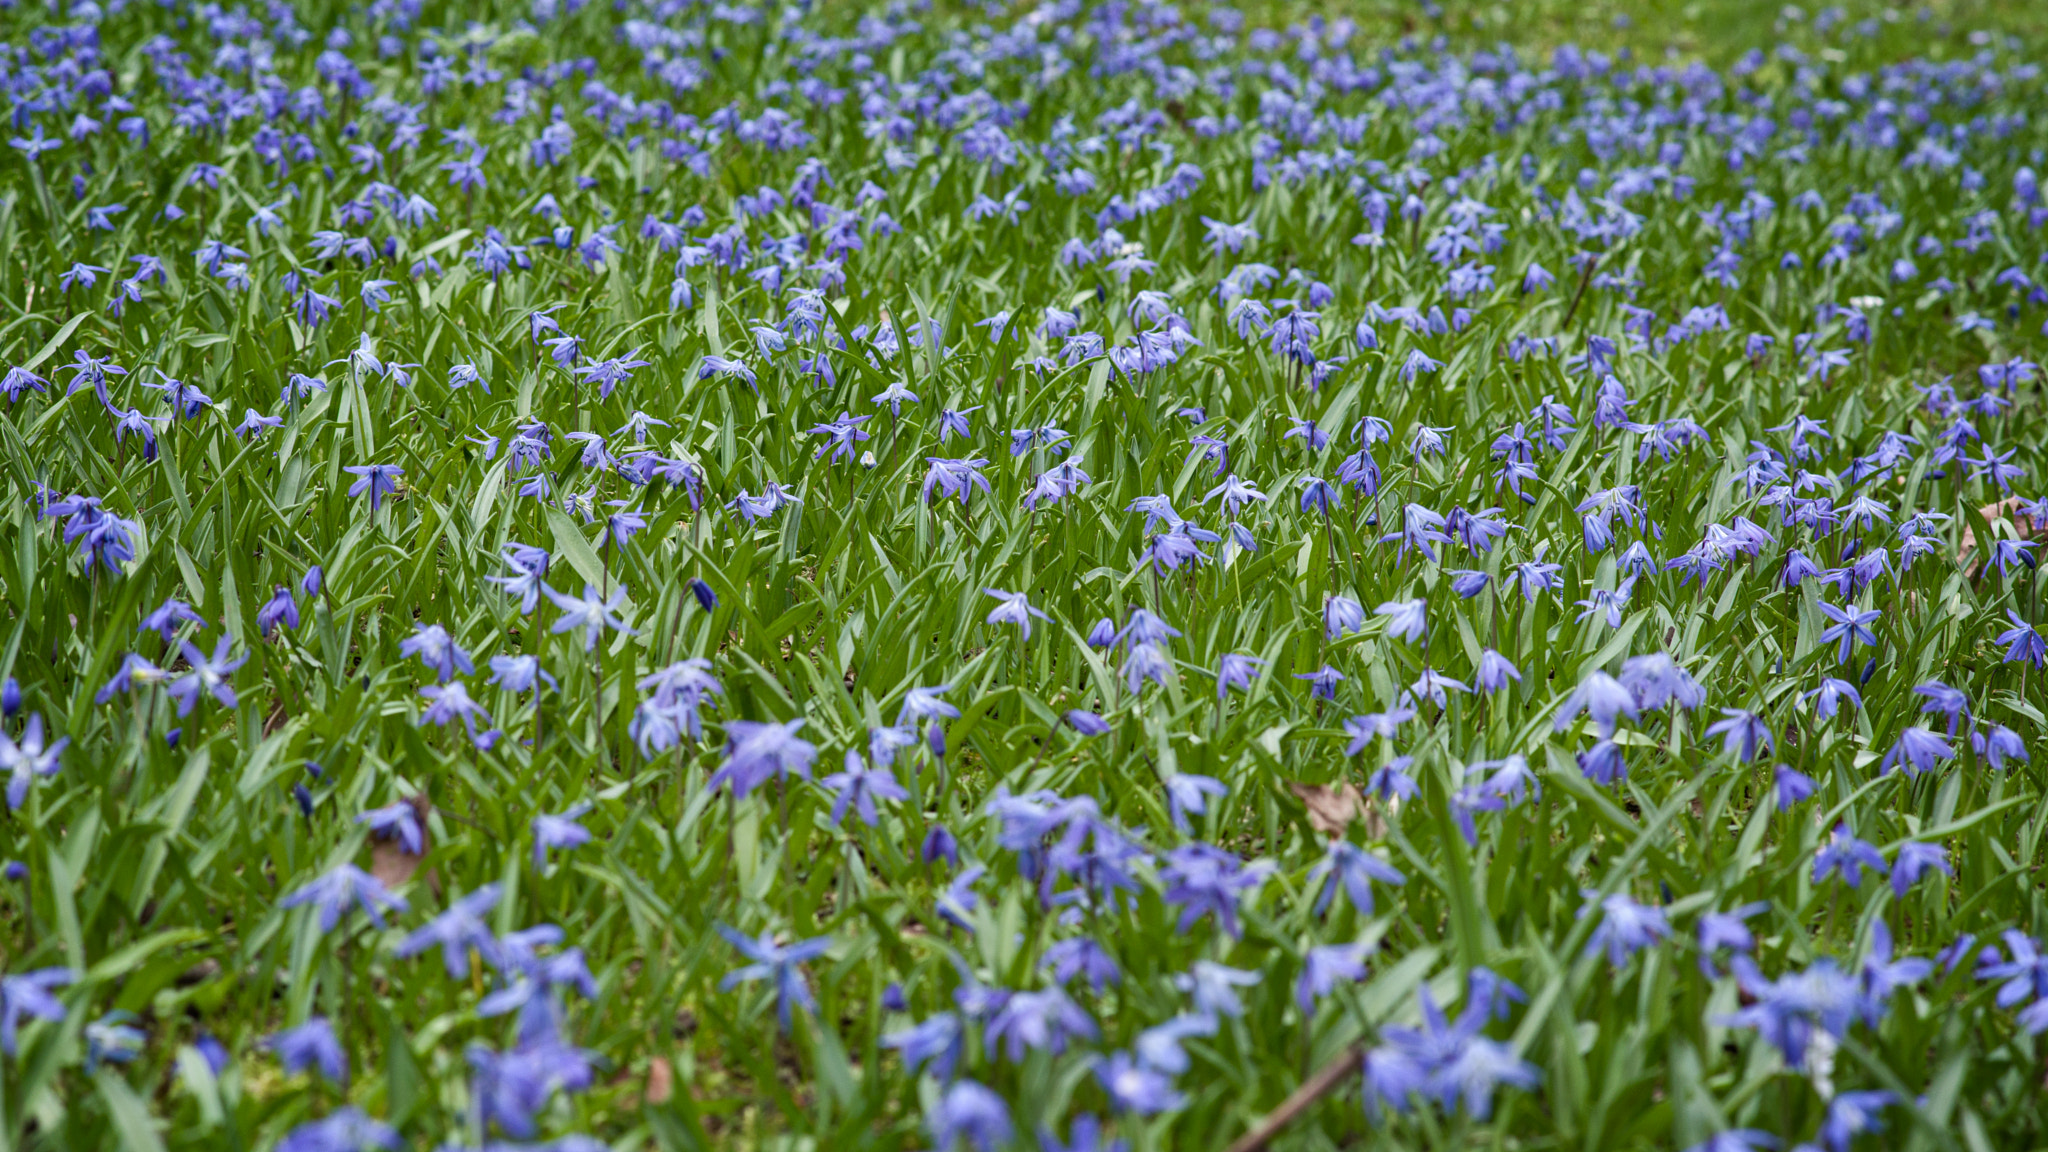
(344,1130)
(934,1044)
(29,758)
(1322,683)
(1406,619)
(1031,1021)
(1743,734)
(1917,750)
(378,480)
(457,930)
(1846,855)
(1626,927)
(778,964)
(1324,967)
(312,1044)
(1014,609)
(337,890)
(1353,868)
(1187,793)
(28,994)
(1133,1087)
(968,1110)
(591,613)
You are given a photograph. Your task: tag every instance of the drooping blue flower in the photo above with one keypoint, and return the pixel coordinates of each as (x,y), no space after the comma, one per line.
(1917,750)
(1014,608)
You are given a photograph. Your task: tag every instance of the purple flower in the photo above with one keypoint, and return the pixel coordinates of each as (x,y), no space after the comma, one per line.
(560,831)
(1420,529)
(401,822)
(1745,734)
(1996,742)
(955,478)
(939,844)
(206,675)
(1342,614)
(1944,700)
(1917,750)
(1725,930)
(437,650)
(1235,672)
(1014,609)
(281,608)
(2022,642)
(311,1044)
(333,894)
(1450,1064)
(1828,697)
(591,613)
(1600,696)
(447,703)
(935,1042)
(1085,722)
(1324,967)
(1851,627)
(1494,672)
(1322,683)
(167,618)
(1787,1011)
(1626,927)
(1045,1020)
(520,674)
(776,963)
(1187,793)
(858,787)
(1082,956)
(970,1111)
(456,931)
(1135,1088)
(1352,868)
(1916,859)
(1213,987)
(1406,619)
(376,479)
(1851,1113)
(29,995)
(1846,855)
(346,1129)
(1793,786)
(29,758)
(757,752)
(1204,880)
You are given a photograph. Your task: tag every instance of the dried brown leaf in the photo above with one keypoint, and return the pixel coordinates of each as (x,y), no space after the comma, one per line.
(1332,807)
(661,1080)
